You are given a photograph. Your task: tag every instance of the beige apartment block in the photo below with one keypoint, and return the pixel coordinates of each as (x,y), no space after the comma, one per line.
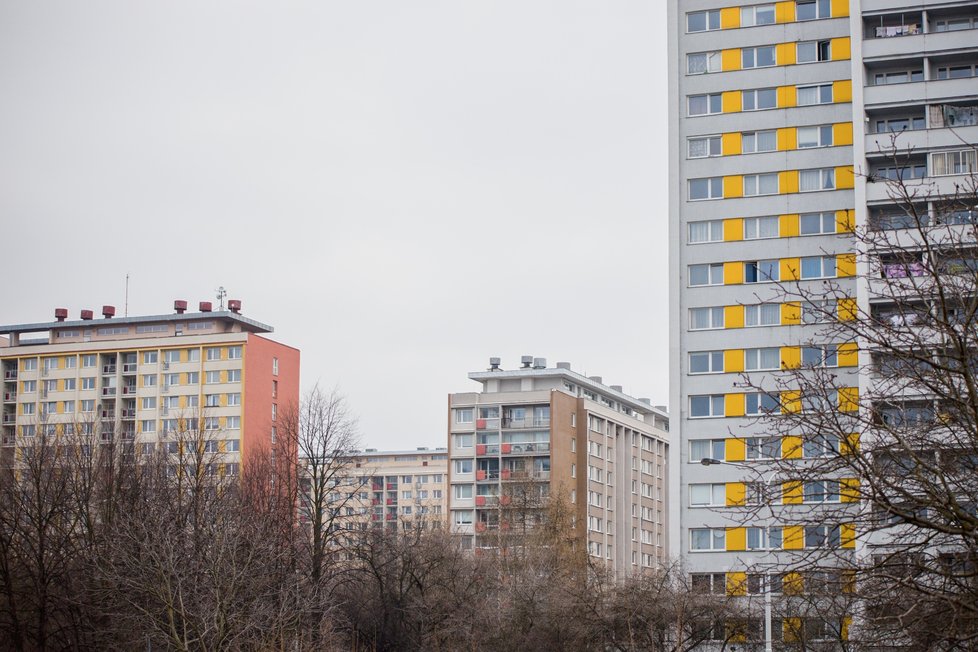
(534,434)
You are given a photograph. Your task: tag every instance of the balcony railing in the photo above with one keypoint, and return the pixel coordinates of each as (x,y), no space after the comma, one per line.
(128,414)
(128,389)
(487,449)
(487,424)
(108,369)
(129,368)
(9,397)
(9,418)
(522,449)
(10,374)
(516,476)
(526,422)
(108,391)
(486,474)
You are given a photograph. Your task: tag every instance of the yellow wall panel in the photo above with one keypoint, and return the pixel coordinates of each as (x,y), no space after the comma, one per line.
(845,265)
(785,54)
(737,581)
(842,90)
(790,401)
(848,492)
(848,399)
(733,360)
(788,181)
(787,138)
(793,539)
(784,12)
(848,354)
(791,449)
(730,17)
(791,313)
(844,630)
(850,445)
(790,357)
(733,317)
(839,49)
(733,405)
(789,269)
(730,143)
(733,273)
(733,229)
(730,59)
(848,309)
(736,538)
(844,177)
(736,493)
(840,8)
(845,221)
(731,101)
(788,225)
(735,450)
(787,97)
(792,493)
(842,133)
(847,532)
(733,186)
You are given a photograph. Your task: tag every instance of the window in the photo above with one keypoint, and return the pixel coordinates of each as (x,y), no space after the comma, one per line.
(214,353)
(212,400)
(212,377)
(814,446)
(28,386)
(151,328)
(709,583)
(274,366)
(817,223)
(462,441)
(463,491)
(232,445)
(752,142)
(233,423)
(150,357)
(149,380)
(819,136)
(193,355)
(463,466)
(704,146)
(702,62)
(759,57)
(707,539)
(820,356)
(234,399)
(708,231)
(703,448)
(705,318)
(818,267)
(88,383)
(820,402)
(171,402)
(822,536)
(707,104)
(900,172)
(50,385)
(954,24)
(706,405)
(708,188)
(88,360)
(88,405)
(815,94)
(762,271)
(757,15)
(764,359)
(763,448)
(761,403)
(759,99)
(69,384)
(814,180)
(762,314)
(462,516)
(234,375)
(706,362)
(898,77)
(896,125)
(821,491)
(234,353)
(818,311)
(957,162)
(30,364)
(701,495)
(960,71)
(761,538)
(149,403)
(274,411)
(760,184)
(171,380)
(463,415)
(812,9)
(702,21)
(147,425)
(706,274)
(812,51)
(212,423)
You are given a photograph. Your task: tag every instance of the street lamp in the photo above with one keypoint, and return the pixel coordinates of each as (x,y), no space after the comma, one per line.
(768,645)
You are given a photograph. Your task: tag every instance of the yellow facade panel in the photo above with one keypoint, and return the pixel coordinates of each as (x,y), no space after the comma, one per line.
(789,269)
(788,181)
(736,494)
(840,8)
(847,537)
(790,357)
(735,450)
(733,273)
(844,177)
(850,445)
(791,313)
(787,97)
(839,49)
(848,399)
(792,493)
(791,448)
(842,133)
(787,138)
(730,143)
(845,221)
(842,90)
(733,229)
(731,101)
(848,309)
(788,225)
(736,538)
(785,54)
(790,401)
(733,405)
(730,17)
(849,490)
(730,59)
(784,12)
(793,539)
(733,316)
(848,354)
(845,265)
(736,581)
(733,361)
(733,186)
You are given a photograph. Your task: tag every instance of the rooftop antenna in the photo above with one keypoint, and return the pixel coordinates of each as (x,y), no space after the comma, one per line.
(221,294)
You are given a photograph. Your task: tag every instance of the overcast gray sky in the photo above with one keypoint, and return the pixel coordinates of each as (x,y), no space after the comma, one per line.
(401,188)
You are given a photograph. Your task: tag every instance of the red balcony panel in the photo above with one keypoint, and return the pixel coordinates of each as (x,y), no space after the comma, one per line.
(390,501)
(505,473)
(505,500)
(480,501)
(480,527)
(480,475)
(480,449)
(375,501)
(480,424)
(507,448)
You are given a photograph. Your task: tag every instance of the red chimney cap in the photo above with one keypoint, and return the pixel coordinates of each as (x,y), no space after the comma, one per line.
(206,306)
(234,305)
(180,306)
(108,311)
(61,314)
(86,314)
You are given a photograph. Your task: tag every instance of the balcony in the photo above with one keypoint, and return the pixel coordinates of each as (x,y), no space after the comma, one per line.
(128,414)
(129,368)
(9,419)
(529,448)
(9,397)
(108,369)
(486,501)
(391,486)
(108,414)
(391,501)
(486,474)
(108,391)
(915,93)
(486,449)
(129,389)
(10,374)
(518,476)
(526,422)
(487,424)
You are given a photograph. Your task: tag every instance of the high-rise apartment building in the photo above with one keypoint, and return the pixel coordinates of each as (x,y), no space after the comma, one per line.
(783,118)
(143,380)
(534,432)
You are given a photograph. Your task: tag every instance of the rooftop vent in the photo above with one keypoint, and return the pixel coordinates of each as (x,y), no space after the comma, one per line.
(61,314)
(564,365)
(87,314)
(494,364)
(108,312)
(526,361)
(422,448)
(180,306)
(539,363)
(234,305)
(206,306)
(595,379)
(616,388)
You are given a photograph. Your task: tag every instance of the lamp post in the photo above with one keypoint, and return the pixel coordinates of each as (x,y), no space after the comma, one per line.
(768,646)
